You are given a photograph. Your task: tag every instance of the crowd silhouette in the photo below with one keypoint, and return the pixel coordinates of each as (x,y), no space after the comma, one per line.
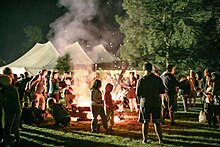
(29,100)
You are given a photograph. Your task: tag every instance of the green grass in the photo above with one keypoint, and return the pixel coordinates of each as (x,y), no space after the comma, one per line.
(187,132)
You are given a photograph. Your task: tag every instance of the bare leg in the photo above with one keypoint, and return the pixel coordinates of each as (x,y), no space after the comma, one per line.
(163,114)
(145,132)
(158,131)
(171,114)
(218,119)
(194,101)
(190,101)
(17,135)
(130,104)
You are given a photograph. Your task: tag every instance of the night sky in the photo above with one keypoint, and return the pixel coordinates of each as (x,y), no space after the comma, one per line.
(17,14)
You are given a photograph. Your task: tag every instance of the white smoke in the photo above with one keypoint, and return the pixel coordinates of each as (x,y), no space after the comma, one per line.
(83,23)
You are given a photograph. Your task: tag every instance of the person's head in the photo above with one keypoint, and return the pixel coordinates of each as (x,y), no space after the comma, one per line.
(66,74)
(147,66)
(44,73)
(97,84)
(207,72)
(26,104)
(15,77)
(68,80)
(5,80)
(55,75)
(26,74)
(49,72)
(170,68)
(131,74)
(22,76)
(8,71)
(109,87)
(215,76)
(199,75)
(33,103)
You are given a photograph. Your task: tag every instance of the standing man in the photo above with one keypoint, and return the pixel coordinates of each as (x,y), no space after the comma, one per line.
(169,100)
(41,90)
(148,91)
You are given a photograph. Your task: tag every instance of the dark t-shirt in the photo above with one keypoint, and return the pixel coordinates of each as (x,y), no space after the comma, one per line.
(149,88)
(170,83)
(12,100)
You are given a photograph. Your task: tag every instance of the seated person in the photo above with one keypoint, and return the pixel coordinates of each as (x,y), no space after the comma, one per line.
(27,117)
(39,114)
(59,112)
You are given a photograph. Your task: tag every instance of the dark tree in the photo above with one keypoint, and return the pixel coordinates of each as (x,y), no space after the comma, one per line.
(162,31)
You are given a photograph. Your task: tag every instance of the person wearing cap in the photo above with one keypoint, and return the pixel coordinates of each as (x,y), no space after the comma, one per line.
(148,90)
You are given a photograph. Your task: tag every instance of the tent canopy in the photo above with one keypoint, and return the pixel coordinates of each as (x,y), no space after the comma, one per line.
(44,56)
(100,55)
(78,55)
(41,56)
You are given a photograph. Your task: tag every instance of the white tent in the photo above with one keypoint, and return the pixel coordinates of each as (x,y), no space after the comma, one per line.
(41,56)
(78,55)
(100,55)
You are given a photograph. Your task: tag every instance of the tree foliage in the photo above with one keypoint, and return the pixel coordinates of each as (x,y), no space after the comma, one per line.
(163,31)
(33,35)
(63,63)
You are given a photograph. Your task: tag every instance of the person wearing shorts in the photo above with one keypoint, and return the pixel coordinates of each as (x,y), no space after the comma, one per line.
(169,99)
(149,88)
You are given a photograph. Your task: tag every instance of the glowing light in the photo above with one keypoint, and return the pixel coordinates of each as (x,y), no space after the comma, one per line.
(117,119)
(88,115)
(74,118)
(84,104)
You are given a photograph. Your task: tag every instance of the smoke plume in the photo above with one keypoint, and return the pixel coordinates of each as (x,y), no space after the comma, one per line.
(90,22)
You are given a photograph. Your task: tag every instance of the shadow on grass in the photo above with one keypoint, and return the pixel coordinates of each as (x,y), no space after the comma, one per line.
(34,137)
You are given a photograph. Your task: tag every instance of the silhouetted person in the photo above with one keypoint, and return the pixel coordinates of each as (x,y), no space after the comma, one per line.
(149,88)
(97,107)
(170,97)
(12,110)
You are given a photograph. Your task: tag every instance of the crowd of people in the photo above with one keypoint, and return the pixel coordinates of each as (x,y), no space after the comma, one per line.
(29,100)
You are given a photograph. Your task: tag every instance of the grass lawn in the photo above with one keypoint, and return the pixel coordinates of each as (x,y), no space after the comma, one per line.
(127,132)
